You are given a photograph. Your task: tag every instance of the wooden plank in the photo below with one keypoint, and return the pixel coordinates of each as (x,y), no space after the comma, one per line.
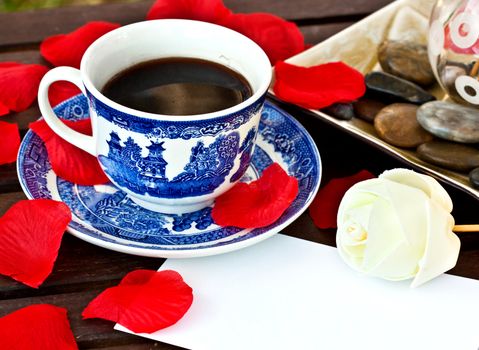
(8,199)
(23,56)
(92,333)
(308,9)
(31,27)
(92,266)
(150,346)
(467,265)
(314,34)
(303,227)
(23,119)
(96,264)
(8,178)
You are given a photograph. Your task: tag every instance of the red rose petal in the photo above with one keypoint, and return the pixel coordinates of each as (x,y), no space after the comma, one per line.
(145,301)
(10,142)
(4,110)
(61,91)
(259,203)
(39,326)
(324,208)
(212,11)
(279,38)
(19,85)
(30,235)
(68,161)
(68,49)
(319,86)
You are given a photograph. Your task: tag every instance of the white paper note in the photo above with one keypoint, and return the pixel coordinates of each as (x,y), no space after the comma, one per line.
(287,293)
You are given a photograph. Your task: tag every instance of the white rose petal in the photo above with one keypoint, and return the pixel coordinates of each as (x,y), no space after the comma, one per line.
(442,248)
(426,183)
(384,235)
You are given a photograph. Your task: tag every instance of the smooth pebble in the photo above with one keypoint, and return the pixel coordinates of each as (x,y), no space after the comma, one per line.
(407,60)
(397,125)
(387,87)
(449,155)
(450,121)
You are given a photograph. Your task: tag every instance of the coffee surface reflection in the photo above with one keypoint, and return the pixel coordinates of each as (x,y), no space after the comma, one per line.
(178,86)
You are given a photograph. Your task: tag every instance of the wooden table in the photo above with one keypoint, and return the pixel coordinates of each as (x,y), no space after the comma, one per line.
(82,270)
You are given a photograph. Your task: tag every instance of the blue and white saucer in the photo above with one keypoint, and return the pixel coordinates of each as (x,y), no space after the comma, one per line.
(105,216)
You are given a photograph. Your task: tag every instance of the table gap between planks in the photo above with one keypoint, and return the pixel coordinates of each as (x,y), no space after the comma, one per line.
(82,270)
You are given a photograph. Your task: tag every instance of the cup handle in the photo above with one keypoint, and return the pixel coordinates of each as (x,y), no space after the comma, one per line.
(72,75)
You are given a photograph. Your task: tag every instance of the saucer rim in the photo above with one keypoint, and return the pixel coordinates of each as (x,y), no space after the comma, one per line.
(188,252)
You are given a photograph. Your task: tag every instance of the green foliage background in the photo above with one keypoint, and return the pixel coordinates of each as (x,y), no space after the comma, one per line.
(21,5)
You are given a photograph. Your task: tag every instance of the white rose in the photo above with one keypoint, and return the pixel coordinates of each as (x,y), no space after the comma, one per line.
(398,226)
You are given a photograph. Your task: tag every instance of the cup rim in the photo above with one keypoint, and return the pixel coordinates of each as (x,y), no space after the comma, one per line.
(263,88)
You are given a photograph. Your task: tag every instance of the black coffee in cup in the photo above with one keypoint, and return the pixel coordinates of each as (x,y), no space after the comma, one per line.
(178,86)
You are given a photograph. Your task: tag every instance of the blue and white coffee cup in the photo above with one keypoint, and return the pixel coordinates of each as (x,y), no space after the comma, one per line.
(170,164)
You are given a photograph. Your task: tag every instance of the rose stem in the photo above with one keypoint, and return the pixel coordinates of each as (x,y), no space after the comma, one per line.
(475,69)
(466,228)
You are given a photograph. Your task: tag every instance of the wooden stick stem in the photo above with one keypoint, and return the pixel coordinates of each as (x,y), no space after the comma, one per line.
(475,69)
(466,228)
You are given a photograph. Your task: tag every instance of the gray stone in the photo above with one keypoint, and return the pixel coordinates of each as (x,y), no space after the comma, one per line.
(397,125)
(450,121)
(385,86)
(343,111)
(474,177)
(453,156)
(407,60)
